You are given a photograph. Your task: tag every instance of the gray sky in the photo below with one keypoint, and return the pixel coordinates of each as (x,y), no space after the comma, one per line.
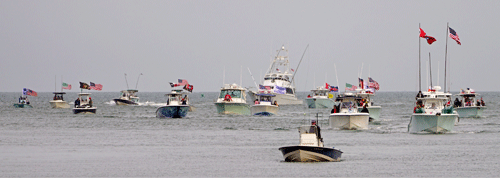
(99,41)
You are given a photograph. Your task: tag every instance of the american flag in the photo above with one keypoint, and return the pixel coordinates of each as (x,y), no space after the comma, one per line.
(292,70)
(94,86)
(29,92)
(350,87)
(182,82)
(373,84)
(454,36)
(361,83)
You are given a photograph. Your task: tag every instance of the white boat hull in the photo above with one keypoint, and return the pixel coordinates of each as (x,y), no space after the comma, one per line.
(472,111)
(319,103)
(432,123)
(59,104)
(232,108)
(349,121)
(307,156)
(374,112)
(282,99)
(265,110)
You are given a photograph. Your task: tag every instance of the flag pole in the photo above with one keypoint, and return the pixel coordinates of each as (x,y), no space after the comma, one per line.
(430,69)
(419,68)
(55,83)
(446,56)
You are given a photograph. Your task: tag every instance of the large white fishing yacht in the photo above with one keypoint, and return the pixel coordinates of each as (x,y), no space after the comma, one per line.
(279,80)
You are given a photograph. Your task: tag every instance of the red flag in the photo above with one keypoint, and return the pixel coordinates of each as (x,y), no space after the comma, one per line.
(327,86)
(429,39)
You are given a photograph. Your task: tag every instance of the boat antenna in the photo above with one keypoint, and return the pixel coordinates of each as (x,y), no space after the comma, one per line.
(137,81)
(419,70)
(224,76)
(336,76)
(55,83)
(446,55)
(253,78)
(126,80)
(241,74)
(430,69)
(61,83)
(297,69)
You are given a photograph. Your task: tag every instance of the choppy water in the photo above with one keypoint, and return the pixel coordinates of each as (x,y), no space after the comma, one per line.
(124,141)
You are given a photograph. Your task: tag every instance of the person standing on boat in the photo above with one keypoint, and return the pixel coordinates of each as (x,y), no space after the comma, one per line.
(184,100)
(276,103)
(482,102)
(419,95)
(318,133)
(456,103)
(90,101)
(77,102)
(256,101)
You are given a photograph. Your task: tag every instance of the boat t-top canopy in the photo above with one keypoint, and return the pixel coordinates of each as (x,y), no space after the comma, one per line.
(84,94)
(130,91)
(59,93)
(264,94)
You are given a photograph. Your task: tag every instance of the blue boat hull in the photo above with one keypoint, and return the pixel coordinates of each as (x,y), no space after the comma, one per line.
(172,111)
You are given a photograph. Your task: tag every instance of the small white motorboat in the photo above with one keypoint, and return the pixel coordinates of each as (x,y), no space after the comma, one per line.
(84,104)
(347,115)
(366,99)
(469,105)
(310,148)
(232,100)
(127,97)
(321,98)
(431,113)
(265,105)
(177,105)
(58,101)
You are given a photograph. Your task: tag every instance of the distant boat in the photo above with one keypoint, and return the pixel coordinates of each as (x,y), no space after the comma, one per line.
(127,97)
(279,81)
(310,148)
(84,104)
(23,102)
(232,100)
(177,105)
(23,99)
(431,115)
(347,115)
(373,110)
(321,98)
(469,105)
(265,105)
(58,101)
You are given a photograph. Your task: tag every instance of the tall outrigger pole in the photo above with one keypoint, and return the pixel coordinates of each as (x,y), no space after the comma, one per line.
(293,77)
(446,56)
(419,75)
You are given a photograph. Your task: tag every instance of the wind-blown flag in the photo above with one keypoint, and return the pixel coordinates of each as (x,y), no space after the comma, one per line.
(66,86)
(453,35)
(180,82)
(94,86)
(84,85)
(327,86)
(373,84)
(334,89)
(350,87)
(29,92)
(188,87)
(429,39)
(361,84)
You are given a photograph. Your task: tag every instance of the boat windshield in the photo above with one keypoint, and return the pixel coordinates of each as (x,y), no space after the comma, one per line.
(308,129)
(232,93)
(348,104)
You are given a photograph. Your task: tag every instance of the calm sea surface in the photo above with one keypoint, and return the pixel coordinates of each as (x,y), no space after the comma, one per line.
(124,141)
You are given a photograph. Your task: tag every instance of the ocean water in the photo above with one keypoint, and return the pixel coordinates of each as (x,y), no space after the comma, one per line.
(129,141)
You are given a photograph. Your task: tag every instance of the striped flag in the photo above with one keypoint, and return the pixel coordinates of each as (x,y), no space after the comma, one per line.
(66,86)
(29,92)
(373,84)
(94,86)
(180,82)
(350,87)
(453,35)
